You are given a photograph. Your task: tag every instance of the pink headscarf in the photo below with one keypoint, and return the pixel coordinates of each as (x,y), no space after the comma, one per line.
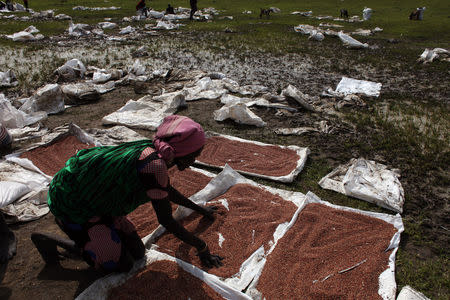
(178,136)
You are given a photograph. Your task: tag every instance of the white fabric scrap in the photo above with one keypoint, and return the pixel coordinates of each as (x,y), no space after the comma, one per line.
(239,113)
(349,86)
(350,42)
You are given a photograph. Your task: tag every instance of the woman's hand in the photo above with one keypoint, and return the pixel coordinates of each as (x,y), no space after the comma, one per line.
(209,211)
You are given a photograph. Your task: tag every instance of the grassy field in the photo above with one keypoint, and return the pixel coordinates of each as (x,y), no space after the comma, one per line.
(409,127)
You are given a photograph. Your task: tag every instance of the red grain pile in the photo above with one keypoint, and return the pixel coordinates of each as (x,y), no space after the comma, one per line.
(250,222)
(52,158)
(248,157)
(324,241)
(163,280)
(187,182)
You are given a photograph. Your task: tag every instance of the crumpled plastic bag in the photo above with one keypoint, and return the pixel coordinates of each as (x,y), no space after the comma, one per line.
(49,98)
(72,70)
(239,113)
(349,86)
(350,42)
(367,180)
(8,79)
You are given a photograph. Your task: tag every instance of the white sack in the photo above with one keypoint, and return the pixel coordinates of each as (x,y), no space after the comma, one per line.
(408,293)
(292,92)
(62,17)
(107,25)
(144,113)
(316,36)
(127,30)
(71,70)
(349,86)
(24,36)
(101,77)
(49,98)
(155,14)
(31,29)
(10,191)
(369,181)
(350,42)
(166,25)
(12,118)
(240,114)
(79,93)
(304,28)
(429,55)
(137,68)
(8,79)
(367,13)
(78,30)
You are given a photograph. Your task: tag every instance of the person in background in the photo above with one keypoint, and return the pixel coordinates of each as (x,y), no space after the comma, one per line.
(92,195)
(142,8)
(170,10)
(25,3)
(193,8)
(9,5)
(8,243)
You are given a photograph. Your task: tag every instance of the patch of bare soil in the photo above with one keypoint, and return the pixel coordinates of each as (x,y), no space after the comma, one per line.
(27,276)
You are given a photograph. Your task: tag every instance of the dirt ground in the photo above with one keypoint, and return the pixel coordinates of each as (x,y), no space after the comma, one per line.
(26,275)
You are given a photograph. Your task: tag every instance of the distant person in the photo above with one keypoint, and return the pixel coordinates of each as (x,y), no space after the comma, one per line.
(142,8)
(25,3)
(9,5)
(193,8)
(170,10)
(344,13)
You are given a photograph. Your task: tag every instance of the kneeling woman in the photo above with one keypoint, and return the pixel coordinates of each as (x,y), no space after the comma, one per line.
(91,196)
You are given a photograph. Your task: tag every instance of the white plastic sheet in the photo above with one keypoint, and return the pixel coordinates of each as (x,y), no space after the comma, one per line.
(349,86)
(145,113)
(218,186)
(23,36)
(78,30)
(301,152)
(408,293)
(127,30)
(48,98)
(239,113)
(100,288)
(71,70)
(107,25)
(166,25)
(350,42)
(292,92)
(428,55)
(367,180)
(386,280)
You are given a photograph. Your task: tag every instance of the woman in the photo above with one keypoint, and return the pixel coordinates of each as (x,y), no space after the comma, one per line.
(91,196)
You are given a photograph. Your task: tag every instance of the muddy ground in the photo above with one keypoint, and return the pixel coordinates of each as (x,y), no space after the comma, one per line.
(27,276)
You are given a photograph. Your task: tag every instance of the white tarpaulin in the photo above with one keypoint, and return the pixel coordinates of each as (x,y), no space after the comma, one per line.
(99,290)
(146,113)
(115,135)
(367,180)
(24,36)
(301,152)
(78,30)
(218,186)
(107,25)
(349,86)
(408,293)
(386,280)
(292,92)
(78,93)
(205,88)
(350,42)
(20,174)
